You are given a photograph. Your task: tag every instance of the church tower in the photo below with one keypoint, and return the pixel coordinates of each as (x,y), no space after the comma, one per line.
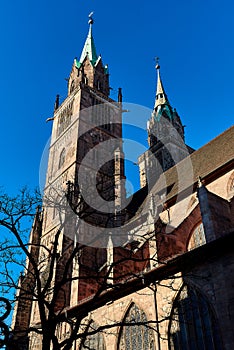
(165,138)
(87,135)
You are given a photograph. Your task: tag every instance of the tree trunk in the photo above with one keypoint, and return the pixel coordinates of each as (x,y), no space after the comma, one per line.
(47,337)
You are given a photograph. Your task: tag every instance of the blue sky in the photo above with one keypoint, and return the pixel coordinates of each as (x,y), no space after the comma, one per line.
(194,40)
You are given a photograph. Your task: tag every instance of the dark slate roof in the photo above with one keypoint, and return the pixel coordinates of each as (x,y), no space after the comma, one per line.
(208,162)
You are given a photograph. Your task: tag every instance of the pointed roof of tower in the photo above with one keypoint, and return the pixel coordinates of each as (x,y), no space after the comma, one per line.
(89,48)
(161,96)
(162,103)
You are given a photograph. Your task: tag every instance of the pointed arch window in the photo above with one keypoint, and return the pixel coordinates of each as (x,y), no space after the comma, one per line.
(62,157)
(197,238)
(193,324)
(136,337)
(94,341)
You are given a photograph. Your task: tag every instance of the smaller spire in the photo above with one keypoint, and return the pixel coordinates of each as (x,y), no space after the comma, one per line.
(162,106)
(161,97)
(89,46)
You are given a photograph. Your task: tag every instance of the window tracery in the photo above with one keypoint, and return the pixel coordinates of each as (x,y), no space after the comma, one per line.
(64,118)
(197,237)
(136,336)
(193,324)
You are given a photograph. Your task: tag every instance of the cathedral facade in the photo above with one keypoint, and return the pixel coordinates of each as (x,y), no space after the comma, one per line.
(153,271)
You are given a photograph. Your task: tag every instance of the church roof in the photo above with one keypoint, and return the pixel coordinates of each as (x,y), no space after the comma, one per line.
(208,162)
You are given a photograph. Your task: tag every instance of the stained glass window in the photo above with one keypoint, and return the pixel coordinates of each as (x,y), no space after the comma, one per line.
(193,324)
(136,337)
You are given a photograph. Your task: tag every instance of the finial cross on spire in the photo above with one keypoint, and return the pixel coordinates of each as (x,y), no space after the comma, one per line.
(91,17)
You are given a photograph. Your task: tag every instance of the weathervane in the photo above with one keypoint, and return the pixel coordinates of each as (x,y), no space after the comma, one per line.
(91,17)
(157,63)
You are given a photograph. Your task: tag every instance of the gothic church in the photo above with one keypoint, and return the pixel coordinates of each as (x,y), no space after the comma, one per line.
(154,271)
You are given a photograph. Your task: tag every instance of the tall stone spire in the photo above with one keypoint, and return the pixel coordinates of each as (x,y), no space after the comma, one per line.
(165,138)
(161,97)
(162,105)
(163,110)
(89,48)
(89,69)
